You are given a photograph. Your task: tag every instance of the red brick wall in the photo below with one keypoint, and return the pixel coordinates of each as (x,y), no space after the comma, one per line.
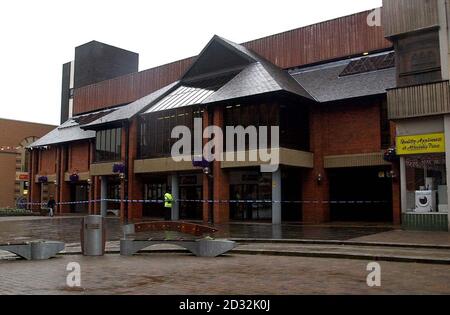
(47,163)
(351,128)
(313,192)
(79,157)
(221,179)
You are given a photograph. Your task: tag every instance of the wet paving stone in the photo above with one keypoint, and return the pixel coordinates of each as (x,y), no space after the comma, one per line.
(267,231)
(68,230)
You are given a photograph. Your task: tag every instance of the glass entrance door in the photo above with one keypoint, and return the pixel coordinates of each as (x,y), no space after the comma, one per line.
(153,193)
(80,193)
(252,206)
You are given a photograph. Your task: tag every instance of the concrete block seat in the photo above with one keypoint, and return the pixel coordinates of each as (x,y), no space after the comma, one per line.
(38,250)
(200,247)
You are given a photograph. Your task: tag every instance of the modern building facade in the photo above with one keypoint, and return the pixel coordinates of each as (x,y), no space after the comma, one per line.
(419,106)
(15,136)
(324,85)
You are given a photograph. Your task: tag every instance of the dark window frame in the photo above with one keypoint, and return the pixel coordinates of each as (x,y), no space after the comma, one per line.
(108,146)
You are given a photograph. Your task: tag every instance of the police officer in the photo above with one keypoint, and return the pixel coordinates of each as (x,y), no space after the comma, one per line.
(168,204)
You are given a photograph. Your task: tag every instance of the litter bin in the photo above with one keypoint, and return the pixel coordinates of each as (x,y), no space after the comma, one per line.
(93,235)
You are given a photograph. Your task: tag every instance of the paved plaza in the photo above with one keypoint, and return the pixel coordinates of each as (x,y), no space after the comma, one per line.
(161,273)
(67,229)
(305,262)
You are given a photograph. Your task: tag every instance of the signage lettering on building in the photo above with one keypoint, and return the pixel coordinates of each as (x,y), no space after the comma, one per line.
(22,176)
(421,144)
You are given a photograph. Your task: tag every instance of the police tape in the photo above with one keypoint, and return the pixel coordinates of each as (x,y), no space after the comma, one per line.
(334,202)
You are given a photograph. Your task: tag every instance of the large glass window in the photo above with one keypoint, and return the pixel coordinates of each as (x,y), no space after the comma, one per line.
(108,145)
(292,119)
(155,133)
(426,183)
(249,187)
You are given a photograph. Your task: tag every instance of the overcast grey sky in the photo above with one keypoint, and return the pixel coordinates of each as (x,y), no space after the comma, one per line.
(39,36)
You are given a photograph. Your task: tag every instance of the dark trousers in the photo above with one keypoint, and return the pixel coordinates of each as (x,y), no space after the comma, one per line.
(167,214)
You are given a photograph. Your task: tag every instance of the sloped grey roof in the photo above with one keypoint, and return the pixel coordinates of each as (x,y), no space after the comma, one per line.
(67,132)
(324,83)
(71,130)
(258,78)
(253,80)
(181,97)
(128,111)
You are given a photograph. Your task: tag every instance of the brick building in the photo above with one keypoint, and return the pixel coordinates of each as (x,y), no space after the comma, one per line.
(419,106)
(326,89)
(15,136)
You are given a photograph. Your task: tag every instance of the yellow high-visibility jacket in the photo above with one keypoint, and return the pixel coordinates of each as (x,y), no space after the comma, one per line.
(168,200)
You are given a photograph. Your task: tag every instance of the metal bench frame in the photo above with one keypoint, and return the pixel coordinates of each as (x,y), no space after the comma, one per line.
(204,247)
(41,250)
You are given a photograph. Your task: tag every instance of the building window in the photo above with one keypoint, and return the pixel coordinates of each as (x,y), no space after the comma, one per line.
(155,132)
(292,119)
(108,145)
(426,183)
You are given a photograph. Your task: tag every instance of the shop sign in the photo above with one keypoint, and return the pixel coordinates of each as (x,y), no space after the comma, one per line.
(431,162)
(21,177)
(421,144)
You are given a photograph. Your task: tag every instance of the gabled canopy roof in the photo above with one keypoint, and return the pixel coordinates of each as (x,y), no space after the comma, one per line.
(223,71)
(218,56)
(258,76)
(238,73)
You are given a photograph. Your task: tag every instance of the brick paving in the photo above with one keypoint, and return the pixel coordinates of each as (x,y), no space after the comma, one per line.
(234,274)
(179,273)
(431,255)
(379,253)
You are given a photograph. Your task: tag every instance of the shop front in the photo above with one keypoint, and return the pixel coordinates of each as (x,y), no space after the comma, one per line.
(187,188)
(113,195)
(424,185)
(361,194)
(47,188)
(252,195)
(79,194)
(155,186)
(191,196)
(249,193)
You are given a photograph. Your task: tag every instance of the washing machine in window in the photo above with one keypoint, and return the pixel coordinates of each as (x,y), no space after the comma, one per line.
(425,201)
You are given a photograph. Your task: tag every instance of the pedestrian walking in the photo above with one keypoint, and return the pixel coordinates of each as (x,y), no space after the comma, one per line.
(51,204)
